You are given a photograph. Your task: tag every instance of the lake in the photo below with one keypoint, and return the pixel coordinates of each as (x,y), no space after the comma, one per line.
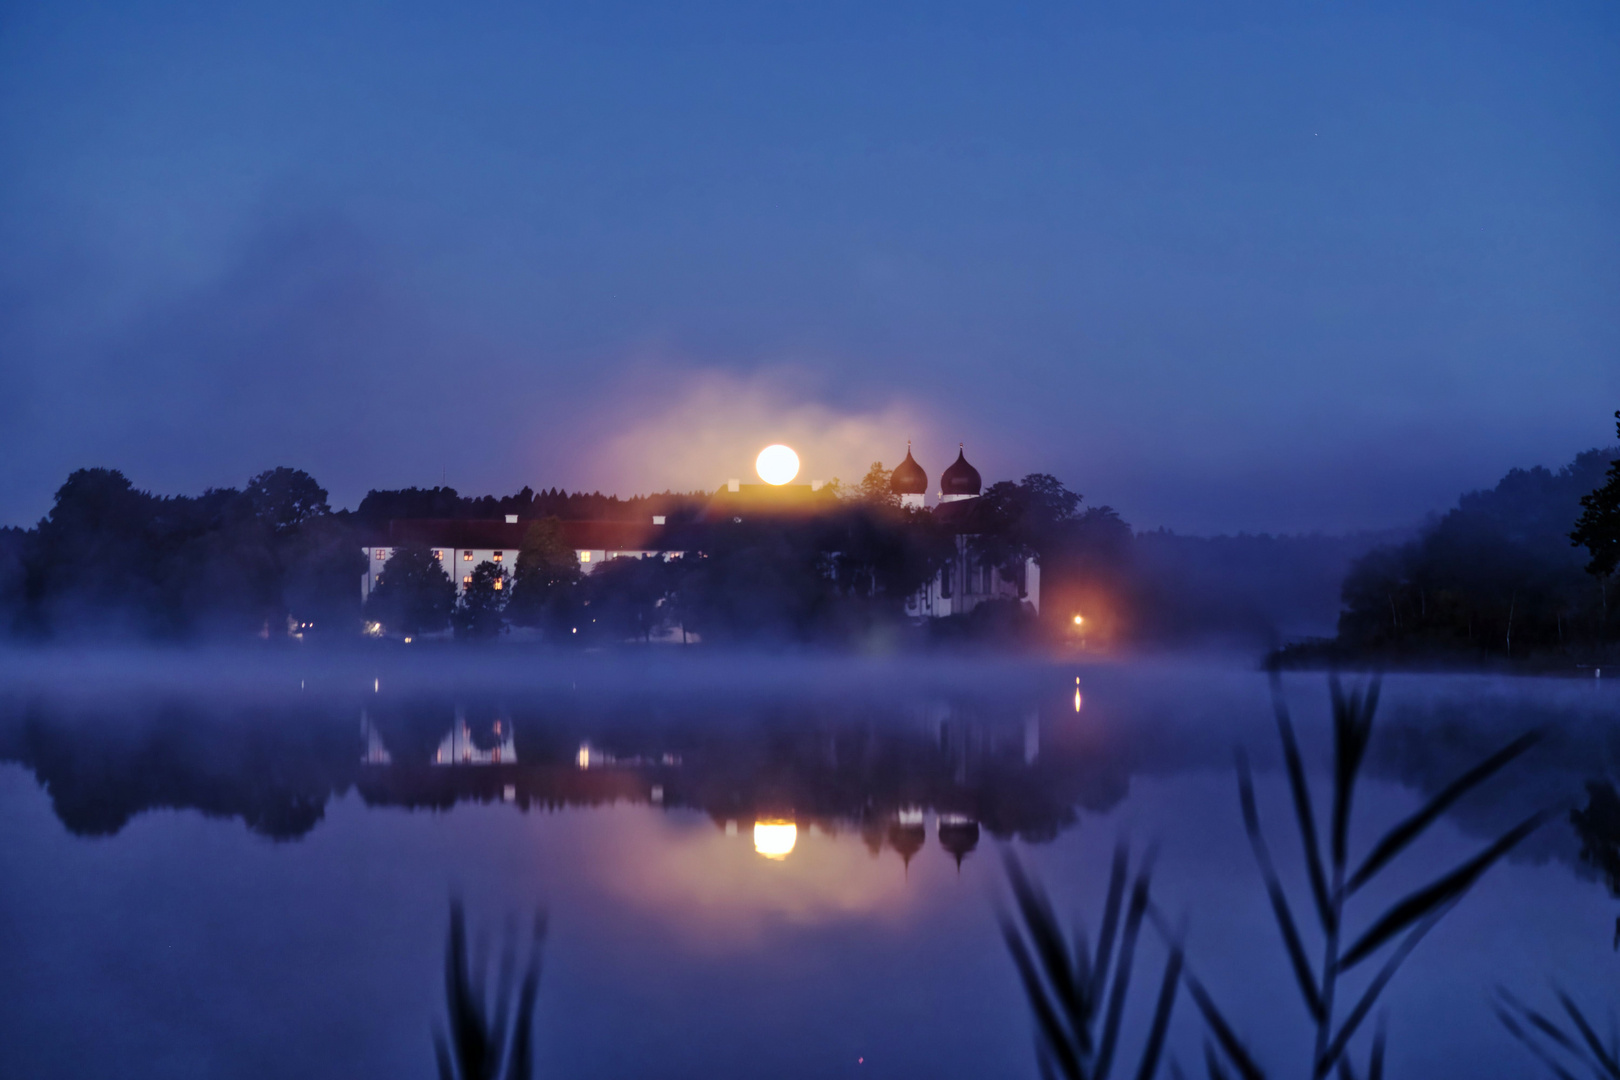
(219,864)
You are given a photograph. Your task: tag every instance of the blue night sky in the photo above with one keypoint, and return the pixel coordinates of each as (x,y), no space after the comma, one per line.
(1264,266)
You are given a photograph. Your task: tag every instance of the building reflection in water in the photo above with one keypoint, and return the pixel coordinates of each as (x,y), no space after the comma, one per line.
(889,772)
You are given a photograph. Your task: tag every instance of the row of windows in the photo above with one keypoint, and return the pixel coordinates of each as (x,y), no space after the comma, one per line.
(467,556)
(438,553)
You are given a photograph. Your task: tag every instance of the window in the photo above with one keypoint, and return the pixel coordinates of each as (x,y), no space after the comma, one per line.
(438,553)
(498,584)
(466,580)
(382,554)
(584,556)
(466,556)
(498,555)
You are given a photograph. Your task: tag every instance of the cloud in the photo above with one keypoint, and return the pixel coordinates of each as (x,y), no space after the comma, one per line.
(696,428)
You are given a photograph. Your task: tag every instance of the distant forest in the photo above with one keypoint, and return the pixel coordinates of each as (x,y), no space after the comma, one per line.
(1496,577)
(1521,573)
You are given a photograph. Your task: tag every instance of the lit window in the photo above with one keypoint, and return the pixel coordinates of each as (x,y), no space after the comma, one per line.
(466,556)
(381,555)
(498,584)
(467,580)
(584,556)
(498,556)
(438,554)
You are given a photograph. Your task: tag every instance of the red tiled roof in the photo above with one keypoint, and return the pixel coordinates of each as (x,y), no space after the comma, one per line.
(500,535)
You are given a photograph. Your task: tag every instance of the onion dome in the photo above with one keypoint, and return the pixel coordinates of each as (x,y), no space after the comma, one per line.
(958,835)
(961,479)
(907,838)
(908,477)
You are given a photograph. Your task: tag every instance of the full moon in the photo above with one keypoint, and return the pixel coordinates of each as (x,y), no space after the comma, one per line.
(777,464)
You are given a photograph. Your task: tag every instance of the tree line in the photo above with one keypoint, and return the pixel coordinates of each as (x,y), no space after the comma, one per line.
(272,558)
(1522,572)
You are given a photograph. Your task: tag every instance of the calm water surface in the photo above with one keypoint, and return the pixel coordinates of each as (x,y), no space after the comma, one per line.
(216,867)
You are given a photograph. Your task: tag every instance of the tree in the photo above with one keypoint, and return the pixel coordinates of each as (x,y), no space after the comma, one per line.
(284,498)
(480,611)
(322,565)
(1030,519)
(874,487)
(1598,529)
(414,595)
(547,571)
(627,598)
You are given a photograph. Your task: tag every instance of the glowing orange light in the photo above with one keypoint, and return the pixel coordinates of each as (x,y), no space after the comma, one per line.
(775,839)
(1079,620)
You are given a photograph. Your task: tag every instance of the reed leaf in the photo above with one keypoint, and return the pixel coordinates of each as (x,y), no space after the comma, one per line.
(1306,816)
(1352,729)
(1610,1067)
(1122,969)
(1117,876)
(1530,1026)
(1169,985)
(477,1043)
(1399,837)
(1369,997)
(1528,1041)
(1418,904)
(1220,1028)
(1213,1063)
(1069,1018)
(1375,1058)
(1046,935)
(1279,900)
(1055,1036)
(1546,1026)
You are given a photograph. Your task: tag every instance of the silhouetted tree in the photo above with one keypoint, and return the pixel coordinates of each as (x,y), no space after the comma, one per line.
(1033,518)
(1494,575)
(413,595)
(1598,530)
(546,574)
(874,487)
(285,498)
(627,598)
(479,612)
(322,565)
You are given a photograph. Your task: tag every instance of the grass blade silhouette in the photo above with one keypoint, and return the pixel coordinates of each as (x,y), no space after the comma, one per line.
(1301,792)
(1122,970)
(476,1044)
(1352,729)
(1610,1067)
(1303,974)
(1415,906)
(1117,876)
(1169,986)
(1230,1044)
(1369,997)
(1408,830)
(1077,1030)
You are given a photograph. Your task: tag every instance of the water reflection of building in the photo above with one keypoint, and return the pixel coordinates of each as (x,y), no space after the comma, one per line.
(890,773)
(460,748)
